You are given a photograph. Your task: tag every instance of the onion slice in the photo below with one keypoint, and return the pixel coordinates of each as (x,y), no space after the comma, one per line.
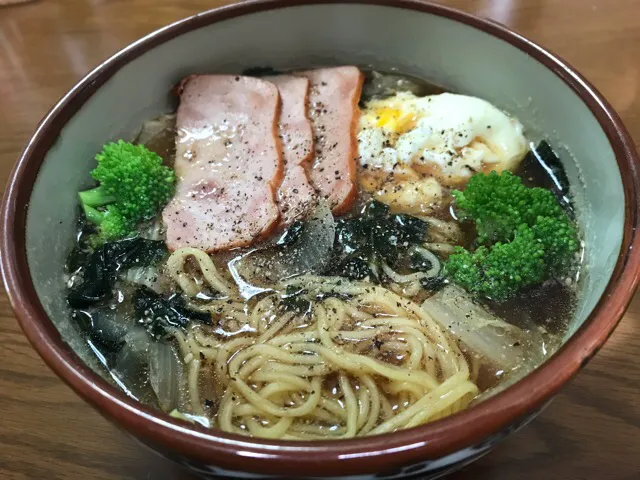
(506,346)
(166,375)
(311,252)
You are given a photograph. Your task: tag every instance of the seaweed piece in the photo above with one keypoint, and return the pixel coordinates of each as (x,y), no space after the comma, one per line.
(355,268)
(133,252)
(375,209)
(82,250)
(541,167)
(350,236)
(307,248)
(293,300)
(102,328)
(419,262)
(433,283)
(333,294)
(96,282)
(261,72)
(362,243)
(102,266)
(413,229)
(551,162)
(158,314)
(76,259)
(291,235)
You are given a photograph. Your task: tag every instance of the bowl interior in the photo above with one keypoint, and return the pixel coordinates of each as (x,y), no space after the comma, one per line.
(439,49)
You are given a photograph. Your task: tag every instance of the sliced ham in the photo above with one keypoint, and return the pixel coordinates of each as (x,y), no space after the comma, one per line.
(228,163)
(333,109)
(296,136)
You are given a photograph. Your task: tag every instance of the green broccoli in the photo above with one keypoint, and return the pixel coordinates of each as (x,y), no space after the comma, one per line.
(498,271)
(524,235)
(133,187)
(500,203)
(559,239)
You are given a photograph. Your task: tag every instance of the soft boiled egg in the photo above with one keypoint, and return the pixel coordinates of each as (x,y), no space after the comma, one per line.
(410,147)
(450,136)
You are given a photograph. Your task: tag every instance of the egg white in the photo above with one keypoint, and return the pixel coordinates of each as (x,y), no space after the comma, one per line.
(450,136)
(446,137)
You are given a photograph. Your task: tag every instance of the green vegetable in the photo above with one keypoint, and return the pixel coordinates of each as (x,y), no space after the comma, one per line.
(100,268)
(291,235)
(293,300)
(524,234)
(356,268)
(160,314)
(542,167)
(133,187)
(499,204)
(376,236)
(499,271)
(559,239)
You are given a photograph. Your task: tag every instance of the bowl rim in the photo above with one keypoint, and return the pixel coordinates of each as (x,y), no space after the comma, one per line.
(345,457)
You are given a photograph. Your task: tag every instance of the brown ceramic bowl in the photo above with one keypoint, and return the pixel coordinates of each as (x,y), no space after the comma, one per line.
(451,48)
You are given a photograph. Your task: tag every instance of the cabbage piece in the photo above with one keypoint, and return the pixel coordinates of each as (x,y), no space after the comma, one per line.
(149,277)
(150,371)
(131,366)
(506,346)
(304,248)
(102,267)
(166,375)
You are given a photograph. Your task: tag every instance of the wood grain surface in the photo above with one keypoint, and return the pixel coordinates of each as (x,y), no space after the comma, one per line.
(591,431)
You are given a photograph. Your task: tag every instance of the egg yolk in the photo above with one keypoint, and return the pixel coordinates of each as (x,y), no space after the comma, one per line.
(395,120)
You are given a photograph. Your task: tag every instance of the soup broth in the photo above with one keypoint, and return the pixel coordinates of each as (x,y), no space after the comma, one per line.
(356,318)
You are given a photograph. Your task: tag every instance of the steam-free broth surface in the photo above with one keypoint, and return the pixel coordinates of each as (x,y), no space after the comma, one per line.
(419,299)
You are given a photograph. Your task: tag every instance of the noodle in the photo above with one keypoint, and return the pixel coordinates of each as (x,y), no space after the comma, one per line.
(363,360)
(176,269)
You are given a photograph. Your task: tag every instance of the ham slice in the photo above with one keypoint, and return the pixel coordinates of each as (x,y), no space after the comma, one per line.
(333,109)
(228,163)
(296,135)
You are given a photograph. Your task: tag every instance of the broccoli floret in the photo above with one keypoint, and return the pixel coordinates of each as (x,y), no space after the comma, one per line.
(499,271)
(133,187)
(524,233)
(559,239)
(499,204)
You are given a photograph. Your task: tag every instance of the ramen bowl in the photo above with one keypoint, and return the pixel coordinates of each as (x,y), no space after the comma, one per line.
(447,47)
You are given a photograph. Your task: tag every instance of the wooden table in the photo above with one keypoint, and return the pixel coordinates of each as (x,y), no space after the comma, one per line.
(591,431)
